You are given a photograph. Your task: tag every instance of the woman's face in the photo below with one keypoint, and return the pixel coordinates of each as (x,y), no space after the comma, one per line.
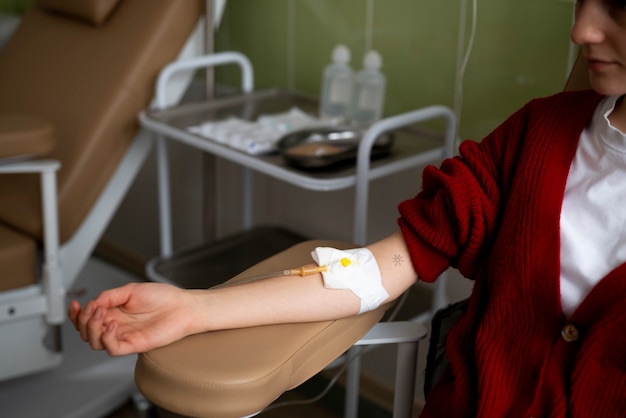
(600,29)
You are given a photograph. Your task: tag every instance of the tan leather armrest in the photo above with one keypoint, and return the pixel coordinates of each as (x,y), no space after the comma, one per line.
(92,11)
(237,372)
(24,136)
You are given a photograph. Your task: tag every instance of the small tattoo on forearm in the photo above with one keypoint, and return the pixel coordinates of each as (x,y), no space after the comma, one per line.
(397,260)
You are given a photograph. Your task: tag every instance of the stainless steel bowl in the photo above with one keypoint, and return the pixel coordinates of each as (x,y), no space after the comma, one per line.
(323,147)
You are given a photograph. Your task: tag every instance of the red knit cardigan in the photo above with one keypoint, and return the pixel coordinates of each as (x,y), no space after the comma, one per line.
(493,213)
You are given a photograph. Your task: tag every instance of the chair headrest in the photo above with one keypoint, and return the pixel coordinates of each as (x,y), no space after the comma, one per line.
(579,76)
(92,11)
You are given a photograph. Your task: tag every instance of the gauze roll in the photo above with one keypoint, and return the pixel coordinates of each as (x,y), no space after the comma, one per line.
(355,270)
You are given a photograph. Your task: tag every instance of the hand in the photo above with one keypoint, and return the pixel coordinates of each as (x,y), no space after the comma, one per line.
(134,318)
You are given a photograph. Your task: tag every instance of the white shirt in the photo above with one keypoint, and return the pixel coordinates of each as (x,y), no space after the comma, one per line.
(593,217)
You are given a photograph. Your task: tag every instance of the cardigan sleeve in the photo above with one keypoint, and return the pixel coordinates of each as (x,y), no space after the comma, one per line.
(454,219)
(451,222)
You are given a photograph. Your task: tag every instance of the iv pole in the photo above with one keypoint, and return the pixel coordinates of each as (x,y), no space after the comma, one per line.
(209,163)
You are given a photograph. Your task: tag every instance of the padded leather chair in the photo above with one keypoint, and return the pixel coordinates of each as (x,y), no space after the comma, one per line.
(73,78)
(579,76)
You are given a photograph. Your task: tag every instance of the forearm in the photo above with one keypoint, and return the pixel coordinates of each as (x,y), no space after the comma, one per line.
(297,299)
(284,299)
(139,317)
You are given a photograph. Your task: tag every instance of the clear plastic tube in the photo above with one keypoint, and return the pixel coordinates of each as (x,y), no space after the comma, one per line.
(299,271)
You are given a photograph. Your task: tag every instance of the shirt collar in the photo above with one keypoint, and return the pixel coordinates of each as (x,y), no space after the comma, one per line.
(610,135)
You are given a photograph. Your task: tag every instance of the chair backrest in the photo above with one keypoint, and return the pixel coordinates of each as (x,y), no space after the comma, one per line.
(579,76)
(88,67)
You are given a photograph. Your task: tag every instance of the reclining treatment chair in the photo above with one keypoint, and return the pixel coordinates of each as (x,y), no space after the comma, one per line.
(73,78)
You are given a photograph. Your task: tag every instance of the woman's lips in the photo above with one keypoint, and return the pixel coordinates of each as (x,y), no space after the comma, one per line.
(595,64)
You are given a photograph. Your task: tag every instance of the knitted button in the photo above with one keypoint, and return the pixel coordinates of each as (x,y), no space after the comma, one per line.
(569,332)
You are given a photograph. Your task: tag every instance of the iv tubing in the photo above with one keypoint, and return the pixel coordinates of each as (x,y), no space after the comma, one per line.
(299,271)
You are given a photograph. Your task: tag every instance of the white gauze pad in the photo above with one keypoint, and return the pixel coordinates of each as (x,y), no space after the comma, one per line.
(355,270)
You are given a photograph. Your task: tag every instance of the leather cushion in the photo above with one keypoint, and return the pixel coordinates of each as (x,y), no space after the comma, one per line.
(18,254)
(25,136)
(238,372)
(92,11)
(91,82)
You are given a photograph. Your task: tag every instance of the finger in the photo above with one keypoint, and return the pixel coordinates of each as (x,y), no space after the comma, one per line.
(113,342)
(83,319)
(115,297)
(95,327)
(73,312)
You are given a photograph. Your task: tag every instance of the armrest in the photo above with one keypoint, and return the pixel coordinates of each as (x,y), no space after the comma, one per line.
(35,166)
(25,136)
(31,137)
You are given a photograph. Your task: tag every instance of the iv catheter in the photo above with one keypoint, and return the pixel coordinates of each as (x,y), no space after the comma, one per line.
(300,271)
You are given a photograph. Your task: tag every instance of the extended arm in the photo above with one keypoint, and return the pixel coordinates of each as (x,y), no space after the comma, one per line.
(142,316)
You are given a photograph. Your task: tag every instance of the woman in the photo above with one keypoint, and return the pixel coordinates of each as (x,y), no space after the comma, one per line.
(534,214)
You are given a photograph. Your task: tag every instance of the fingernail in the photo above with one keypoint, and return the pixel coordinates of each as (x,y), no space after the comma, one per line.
(98,313)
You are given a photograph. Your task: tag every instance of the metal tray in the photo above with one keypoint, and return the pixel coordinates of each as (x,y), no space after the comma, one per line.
(322,147)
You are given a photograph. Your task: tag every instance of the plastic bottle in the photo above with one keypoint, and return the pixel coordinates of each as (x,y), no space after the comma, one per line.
(369,91)
(336,95)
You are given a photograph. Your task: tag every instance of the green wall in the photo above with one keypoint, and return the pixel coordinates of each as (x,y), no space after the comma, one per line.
(14,6)
(521,49)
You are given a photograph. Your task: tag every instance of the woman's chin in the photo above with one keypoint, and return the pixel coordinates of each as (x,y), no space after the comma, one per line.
(608,86)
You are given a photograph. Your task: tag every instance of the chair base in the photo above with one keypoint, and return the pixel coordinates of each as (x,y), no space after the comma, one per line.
(87,383)
(26,337)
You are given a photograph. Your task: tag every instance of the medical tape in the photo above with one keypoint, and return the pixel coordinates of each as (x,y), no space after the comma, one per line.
(355,270)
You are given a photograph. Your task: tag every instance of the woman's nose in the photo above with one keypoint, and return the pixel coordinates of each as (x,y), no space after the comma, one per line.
(589,23)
